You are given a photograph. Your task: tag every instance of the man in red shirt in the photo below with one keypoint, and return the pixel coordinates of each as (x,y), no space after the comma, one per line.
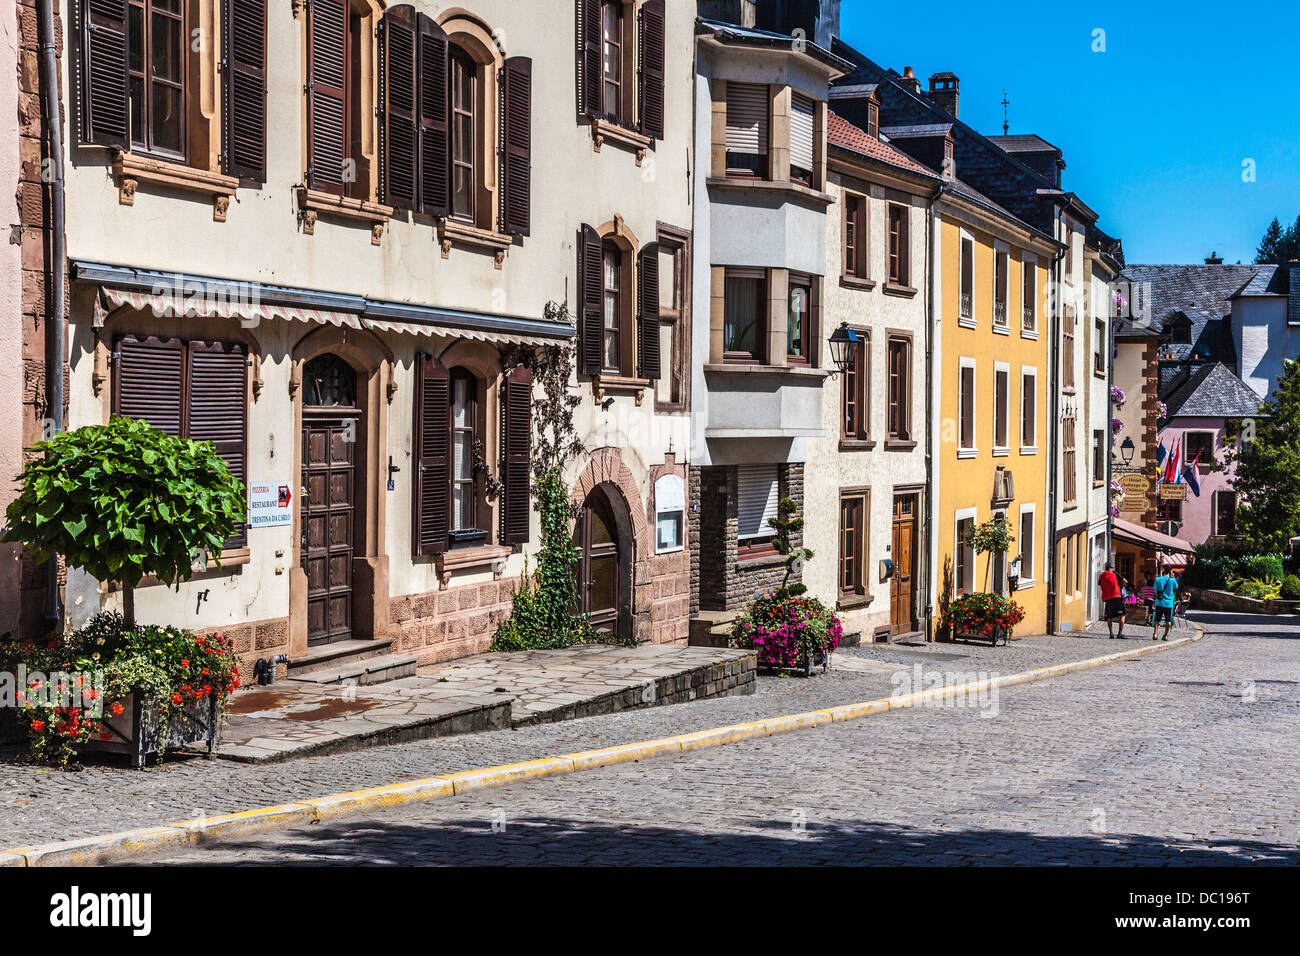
(1113,598)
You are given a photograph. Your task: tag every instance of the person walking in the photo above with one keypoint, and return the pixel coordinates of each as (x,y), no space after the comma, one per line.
(1112,595)
(1166,589)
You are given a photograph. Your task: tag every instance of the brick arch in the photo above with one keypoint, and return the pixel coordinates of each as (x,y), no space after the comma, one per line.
(607,467)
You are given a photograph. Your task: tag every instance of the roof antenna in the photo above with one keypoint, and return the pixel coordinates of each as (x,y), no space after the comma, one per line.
(1005,104)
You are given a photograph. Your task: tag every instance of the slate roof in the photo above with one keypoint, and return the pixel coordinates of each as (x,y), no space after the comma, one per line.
(1212,391)
(842,133)
(908,132)
(1266,280)
(1202,293)
(1023,143)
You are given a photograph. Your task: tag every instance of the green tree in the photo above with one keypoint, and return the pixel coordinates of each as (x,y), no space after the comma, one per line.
(786,523)
(125,500)
(1279,246)
(1267,461)
(1267,251)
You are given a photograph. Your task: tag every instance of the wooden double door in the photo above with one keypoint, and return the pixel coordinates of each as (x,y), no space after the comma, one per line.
(328,520)
(902,613)
(600,564)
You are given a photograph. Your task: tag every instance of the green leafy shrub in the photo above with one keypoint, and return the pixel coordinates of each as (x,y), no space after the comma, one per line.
(125,500)
(1256,588)
(90,673)
(1290,590)
(1265,566)
(786,523)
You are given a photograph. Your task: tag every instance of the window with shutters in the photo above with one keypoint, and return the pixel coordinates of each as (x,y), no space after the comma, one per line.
(853,544)
(462,82)
(855,393)
(1001,267)
(799,320)
(967,265)
(620,70)
(963,577)
(156,45)
(748,130)
(803,137)
(899,412)
(856,246)
(1029,295)
(966,408)
(671,391)
(744,316)
(337,121)
(1001,407)
(465,437)
(1028,410)
(1098,457)
(191,389)
(873,120)
(1067,346)
(1099,348)
(1069,464)
(757,496)
(900,270)
(1225,512)
(1027,544)
(619,331)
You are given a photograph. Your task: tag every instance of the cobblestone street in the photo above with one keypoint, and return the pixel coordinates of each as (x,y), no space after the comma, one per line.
(1179,757)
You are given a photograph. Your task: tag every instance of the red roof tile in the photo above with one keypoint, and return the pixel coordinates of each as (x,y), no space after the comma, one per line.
(844,134)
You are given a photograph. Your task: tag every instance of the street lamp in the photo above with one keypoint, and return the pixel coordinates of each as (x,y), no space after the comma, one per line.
(844,343)
(1126,450)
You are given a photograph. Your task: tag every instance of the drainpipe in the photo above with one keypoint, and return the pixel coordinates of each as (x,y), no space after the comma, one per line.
(930,505)
(55,347)
(1054,441)
(1110,383)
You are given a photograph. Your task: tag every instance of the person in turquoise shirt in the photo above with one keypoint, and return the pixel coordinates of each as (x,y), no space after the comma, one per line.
(1166,590)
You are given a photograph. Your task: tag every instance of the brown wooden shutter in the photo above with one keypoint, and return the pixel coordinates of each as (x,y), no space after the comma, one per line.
(216,408)
(647,323)
(432,487)
(327,122)
(516,145)
(435,178)
(397,102)
(516,453)
(243,91)
(104,102)
(591,284)
(590,62)
(149,382)
(651,68)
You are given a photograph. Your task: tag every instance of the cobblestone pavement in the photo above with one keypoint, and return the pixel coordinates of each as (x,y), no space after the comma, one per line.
(1180,757)
(41,805)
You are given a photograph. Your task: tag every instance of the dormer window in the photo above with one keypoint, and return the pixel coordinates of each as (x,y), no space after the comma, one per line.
(873,121)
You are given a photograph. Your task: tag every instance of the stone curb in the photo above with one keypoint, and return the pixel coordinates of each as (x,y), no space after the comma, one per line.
(90,851)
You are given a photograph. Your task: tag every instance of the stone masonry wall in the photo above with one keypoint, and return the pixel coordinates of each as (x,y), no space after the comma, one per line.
(444,625)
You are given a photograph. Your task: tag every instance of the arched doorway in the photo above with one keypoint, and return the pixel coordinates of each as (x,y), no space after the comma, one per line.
(331,417)
(604,564)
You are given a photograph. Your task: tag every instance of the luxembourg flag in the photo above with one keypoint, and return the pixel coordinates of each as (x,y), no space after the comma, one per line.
(1193,481)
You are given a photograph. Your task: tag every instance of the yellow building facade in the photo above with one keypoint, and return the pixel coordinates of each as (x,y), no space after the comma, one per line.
(991,376)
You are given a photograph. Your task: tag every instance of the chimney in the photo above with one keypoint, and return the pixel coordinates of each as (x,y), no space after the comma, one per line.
(818,19)
(909,80)
(943,92)
(1214,260)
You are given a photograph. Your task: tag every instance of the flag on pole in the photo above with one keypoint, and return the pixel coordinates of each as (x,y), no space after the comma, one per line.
(1161,451)
(1171,466)
(1193,479)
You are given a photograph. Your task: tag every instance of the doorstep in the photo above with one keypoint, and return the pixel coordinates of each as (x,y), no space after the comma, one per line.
(298,718)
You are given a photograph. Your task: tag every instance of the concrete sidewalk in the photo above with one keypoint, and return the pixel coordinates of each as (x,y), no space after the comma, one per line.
(487,692)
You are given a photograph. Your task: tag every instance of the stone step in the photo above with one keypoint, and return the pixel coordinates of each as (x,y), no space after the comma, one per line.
(325,656)
(363,672)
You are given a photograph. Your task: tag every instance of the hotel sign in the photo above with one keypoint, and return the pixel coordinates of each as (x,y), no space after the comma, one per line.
(1135,486)
(1173,492)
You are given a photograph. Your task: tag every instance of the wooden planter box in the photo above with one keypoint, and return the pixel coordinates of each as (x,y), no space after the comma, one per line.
(999,634)
(804,665)
(139,734)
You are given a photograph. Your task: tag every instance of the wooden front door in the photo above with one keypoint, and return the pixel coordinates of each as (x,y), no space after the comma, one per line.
(327,517)
(901,615)
(596,537)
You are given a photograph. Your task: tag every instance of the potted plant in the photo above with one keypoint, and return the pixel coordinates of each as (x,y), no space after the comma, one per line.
(982,616)
(789,632)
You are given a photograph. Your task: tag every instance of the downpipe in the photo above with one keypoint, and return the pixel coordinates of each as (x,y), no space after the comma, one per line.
(264,669)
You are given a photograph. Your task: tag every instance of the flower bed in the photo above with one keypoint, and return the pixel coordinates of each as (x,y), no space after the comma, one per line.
(789,632)
(107,686)
(982,615)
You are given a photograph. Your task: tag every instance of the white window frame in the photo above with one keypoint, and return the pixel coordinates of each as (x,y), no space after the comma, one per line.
(676,506)
(966,321)
(964,363)
(1000,249)
(960,515)
(1028,260)
(1000,451)
(1028,371)
(1027,508)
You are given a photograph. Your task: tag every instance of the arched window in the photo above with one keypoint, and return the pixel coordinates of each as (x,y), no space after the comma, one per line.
(463,105)
(612,272)
(329,382)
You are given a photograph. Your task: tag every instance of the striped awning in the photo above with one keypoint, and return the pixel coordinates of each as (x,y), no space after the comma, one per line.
(433,328)
(230,300)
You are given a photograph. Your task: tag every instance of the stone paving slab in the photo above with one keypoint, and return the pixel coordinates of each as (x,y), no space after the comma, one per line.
(38,805)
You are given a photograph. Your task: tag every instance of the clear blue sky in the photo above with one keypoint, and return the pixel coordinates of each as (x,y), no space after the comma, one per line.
(1154,130)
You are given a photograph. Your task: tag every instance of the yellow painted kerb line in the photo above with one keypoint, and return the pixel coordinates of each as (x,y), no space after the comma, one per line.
(102,849)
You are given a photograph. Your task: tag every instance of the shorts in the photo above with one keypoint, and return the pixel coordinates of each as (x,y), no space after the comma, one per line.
(1165,614)
(1114,608)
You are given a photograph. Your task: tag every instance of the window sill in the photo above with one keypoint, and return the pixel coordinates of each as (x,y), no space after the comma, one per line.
(849,602)
(857,282)
(1000,452)
(899,444)
(968,452)
(602,130)
(1025,584)
(856,444)
(131,170)
(1001,330)
(966,322)
(1029,334)
(786,188)
(903,291)
(313,202)
(1099,373)
(1029,449)
(737,368)
(451,232)
(620,385)
(487,555)
(762,559)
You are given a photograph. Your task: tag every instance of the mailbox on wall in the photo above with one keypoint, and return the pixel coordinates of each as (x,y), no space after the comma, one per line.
(886,569)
